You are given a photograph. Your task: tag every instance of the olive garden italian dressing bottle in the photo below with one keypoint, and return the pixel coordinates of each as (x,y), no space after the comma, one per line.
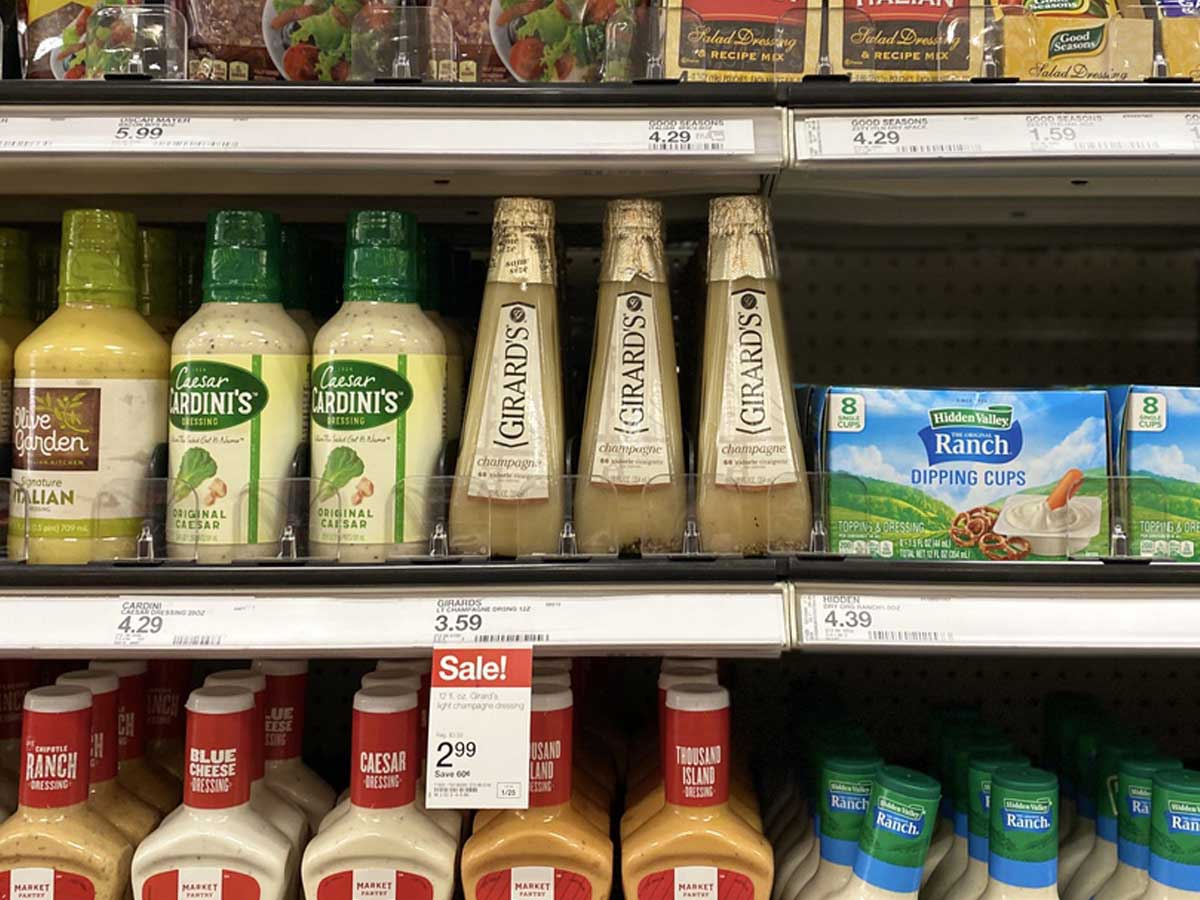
(1023,840)
(1135,787)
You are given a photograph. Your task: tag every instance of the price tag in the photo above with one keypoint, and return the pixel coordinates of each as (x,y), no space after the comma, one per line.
(700,136)
(859,619)
(479,705)
(491,620)
(179,622)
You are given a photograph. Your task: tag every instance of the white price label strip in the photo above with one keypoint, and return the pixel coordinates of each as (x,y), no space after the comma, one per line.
(397,135)
(1013,135)
(180,622)
(479,706)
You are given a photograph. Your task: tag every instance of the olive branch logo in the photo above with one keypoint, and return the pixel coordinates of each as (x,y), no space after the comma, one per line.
(64,411)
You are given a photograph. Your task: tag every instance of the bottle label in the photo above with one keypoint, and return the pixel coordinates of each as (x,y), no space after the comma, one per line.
(754,444)
(1133,844)
(511,457)
(550,757)
(697,760)
(383,750)
(285,715)
(104,737)
(167,684)
(6,409)
(16,678)
(55,755)
(979,794)
(377,423)
(1023,846)
(1175,839)
(895,840)
(201,883)
(533,883)
(520,256)
(131,716)
(844,801)
(218,759)
(236,430)
(80,465)
(45,884)
(696,883)
(631,440)
(374,884)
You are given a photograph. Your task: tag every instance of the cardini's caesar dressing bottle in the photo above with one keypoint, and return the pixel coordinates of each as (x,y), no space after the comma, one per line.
(752,494)
(631,494)
(508,486)
(89,404)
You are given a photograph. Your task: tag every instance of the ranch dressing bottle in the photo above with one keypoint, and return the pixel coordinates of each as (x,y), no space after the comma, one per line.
(1023,842)
(1084,748)
(378,402)
(239,385)
(383,840)
(973,881)
(900,819)
(158,280)
(508,485)
(944,725)
(1135,789)
(216,844)
(1174,836)
(89,403)
(631,496)
(753,488)
(16,287)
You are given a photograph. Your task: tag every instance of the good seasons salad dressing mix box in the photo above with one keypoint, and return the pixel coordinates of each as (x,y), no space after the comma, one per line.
(966,475)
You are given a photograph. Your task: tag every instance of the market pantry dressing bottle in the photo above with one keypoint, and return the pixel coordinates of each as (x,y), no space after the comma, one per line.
(631,495)
(158,279)
(134,818)
(215,845)
(92,369)
(378,402)
(168,682)
(1023,841)
(1135,787)
(1174,836)
(384,846)
(56,846)
(752,490)
(508,486)
(239,389)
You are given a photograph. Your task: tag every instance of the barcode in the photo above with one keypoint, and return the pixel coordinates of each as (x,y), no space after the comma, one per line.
(1114,146)
(910,637)
(529,637)
(196,640)
(934,149)
(711,147)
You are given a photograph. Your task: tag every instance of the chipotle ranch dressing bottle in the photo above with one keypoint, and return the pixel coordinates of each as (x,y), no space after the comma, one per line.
(1023,842)
(1135,790)
(508,486)
(752,494)
(1174,836)
(56,846)
(215,845)
(168,682)
(134,818)
(383,840)
(135,771)
(286,773)
(89,403)
(631,495)
(158,280)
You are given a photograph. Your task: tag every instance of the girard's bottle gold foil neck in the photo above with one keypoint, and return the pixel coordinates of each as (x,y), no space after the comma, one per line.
(633,242)
(741,243)
(522,242)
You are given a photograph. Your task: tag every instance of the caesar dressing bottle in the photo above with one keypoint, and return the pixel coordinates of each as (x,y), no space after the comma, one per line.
(16,287)
(1174,836)
(974,879)
(1135,787)
(631,495)
(89,404)
(508,486)
(752,495)
(238,410)
(378,402)
(158,280)
(1023,840)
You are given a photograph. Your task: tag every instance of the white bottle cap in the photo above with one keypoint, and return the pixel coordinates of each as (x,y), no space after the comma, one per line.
(668,680)
(243,678)
(122,667)
(58,698)
(280,667)
(675,663)
(548,697)
(98,681)
(693,697)
(385,698)
(546,666)
(419,666)
(220,699)
(554,679)
(405,680)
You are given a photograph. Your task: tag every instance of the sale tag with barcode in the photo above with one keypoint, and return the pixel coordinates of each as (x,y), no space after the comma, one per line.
(479,705)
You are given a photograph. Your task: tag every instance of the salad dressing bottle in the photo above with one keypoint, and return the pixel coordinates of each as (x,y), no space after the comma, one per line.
(1085,747)
(752,494)
(631,495)
(378,402)
(1174,851)
(508,486)
(16,287)
(158,280)
(82,378)
(239,388)
(1023,842)
(168,682)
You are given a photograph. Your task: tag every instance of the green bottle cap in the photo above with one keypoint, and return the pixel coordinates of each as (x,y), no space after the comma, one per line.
(1175,829)
(158,272)
(294,263)
(1135,785)
(99,258)
(979,789)
(381,257)
(241,263)
(16,294)
(1113,749)
(989,745)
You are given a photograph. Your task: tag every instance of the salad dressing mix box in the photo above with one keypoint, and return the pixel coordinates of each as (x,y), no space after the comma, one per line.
(966,474)
(746,40)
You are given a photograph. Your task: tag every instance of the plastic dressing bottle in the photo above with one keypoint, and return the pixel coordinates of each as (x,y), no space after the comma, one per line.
(1023,840)
(1135,787)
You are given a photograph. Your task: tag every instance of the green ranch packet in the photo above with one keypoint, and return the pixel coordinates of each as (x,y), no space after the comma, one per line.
(1160,462)
(965,474)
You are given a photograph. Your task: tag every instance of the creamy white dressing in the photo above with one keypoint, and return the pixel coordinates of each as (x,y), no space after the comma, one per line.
(300,785)
(1093,872)
(449,820)
(1051,531)
(803,874)
(795,845)
(943,837)
(972,883)
(1076,849)
(1126,883)
(829,878)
